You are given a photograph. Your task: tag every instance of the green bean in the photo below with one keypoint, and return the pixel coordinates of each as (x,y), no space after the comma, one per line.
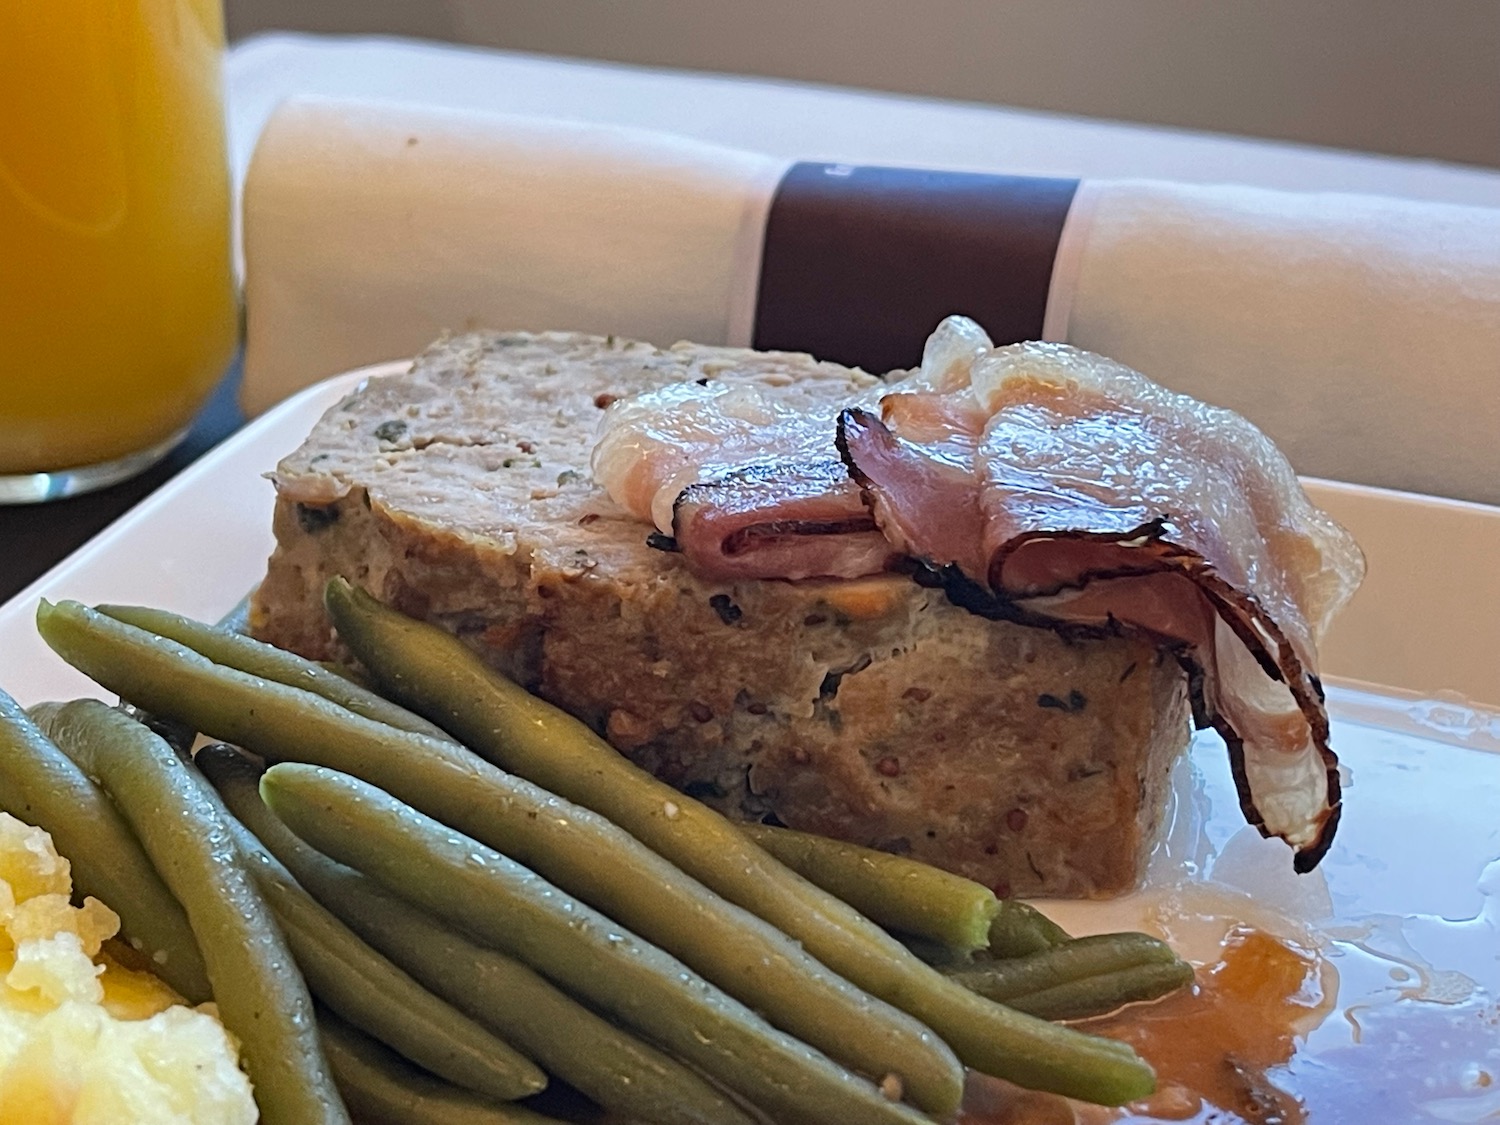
(382,1088)
(234,650)
(900,894)
(433,673)
(606,1063)
(501,902)
(40,785)
(1074,960)
(1018,929)
(1105,993)
(260,996)
(1082,977)
(578,850)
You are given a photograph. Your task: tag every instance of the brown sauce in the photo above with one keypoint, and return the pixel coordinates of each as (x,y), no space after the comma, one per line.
(1215,1047)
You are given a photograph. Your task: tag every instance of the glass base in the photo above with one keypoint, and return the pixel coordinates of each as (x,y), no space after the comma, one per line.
(35,488)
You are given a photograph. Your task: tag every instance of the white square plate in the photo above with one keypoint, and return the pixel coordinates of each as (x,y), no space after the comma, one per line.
(1406,907)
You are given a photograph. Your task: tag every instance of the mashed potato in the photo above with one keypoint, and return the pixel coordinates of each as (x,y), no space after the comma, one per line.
(84,1041)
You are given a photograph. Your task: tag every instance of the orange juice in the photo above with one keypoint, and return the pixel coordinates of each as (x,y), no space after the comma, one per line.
(117,311)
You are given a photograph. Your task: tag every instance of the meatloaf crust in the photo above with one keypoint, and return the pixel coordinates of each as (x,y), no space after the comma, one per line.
(872,710)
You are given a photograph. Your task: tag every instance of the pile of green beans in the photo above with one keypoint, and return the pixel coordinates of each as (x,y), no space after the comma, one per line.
(436,675)
(636,897)
(582,852)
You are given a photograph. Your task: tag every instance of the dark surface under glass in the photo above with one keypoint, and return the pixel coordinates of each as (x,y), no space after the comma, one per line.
(35,536)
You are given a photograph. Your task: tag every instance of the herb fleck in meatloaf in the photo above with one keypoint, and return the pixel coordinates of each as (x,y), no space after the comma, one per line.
(872,710)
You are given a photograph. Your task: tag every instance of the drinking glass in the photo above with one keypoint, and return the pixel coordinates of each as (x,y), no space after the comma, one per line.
(117,304)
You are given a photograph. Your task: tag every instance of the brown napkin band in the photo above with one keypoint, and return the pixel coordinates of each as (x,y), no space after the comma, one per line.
(860,263)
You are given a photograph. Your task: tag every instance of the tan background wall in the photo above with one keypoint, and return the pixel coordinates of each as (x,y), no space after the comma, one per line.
(1412,77)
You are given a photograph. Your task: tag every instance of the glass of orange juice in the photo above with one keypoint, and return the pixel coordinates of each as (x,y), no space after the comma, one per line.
(117,304)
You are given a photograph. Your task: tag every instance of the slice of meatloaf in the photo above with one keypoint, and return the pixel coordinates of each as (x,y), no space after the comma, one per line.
(872,710)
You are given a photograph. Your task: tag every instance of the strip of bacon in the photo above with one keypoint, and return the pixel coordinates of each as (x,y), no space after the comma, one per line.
(740,470)
(1097,501)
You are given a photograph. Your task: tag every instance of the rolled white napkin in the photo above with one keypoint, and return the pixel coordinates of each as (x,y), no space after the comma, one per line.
(1363,334)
